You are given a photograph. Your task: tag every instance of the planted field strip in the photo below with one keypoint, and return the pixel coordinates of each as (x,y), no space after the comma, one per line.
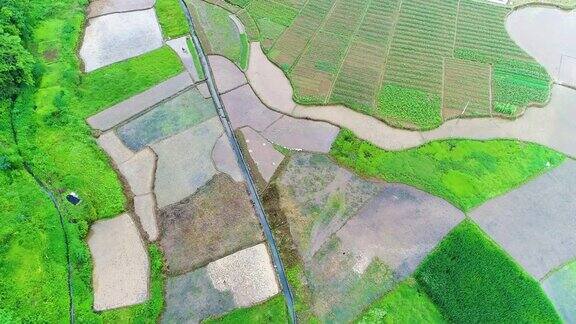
(424,35)
(466,89)
(518,79)
(359,78)
(293,41)
(275,11)
(272,18)
(317,68)
(313,75)
(218,32)
(480,30)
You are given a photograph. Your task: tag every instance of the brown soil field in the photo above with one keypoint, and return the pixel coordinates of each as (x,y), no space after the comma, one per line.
(214,222)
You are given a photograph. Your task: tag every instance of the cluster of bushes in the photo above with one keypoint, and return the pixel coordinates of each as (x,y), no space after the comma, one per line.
(16,62)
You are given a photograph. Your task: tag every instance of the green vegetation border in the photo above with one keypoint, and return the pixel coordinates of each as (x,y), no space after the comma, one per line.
(466,173)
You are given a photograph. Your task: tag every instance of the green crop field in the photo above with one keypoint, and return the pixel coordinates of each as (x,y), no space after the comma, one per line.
(472,280)
(271,311)
(410,63)
(465,172)
(171,18)
(407,303)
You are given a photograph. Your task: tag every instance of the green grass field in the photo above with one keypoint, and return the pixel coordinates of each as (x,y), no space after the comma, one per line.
(464,172)
(472,280)
(270,311)
(32,250)
(407,303)
(171,18)
(124,79)
(392,59)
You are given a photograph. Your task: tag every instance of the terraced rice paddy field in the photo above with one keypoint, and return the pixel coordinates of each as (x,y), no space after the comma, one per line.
(410,63)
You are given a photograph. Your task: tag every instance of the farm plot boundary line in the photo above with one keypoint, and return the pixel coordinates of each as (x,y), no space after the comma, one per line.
(350,42)
(490,90)
(386,57)
(121,12)
(456,27)
(442,103)
(316,32)
(54,201)
(277,261)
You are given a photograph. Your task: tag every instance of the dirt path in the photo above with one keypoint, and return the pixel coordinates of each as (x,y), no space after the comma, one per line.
(551,126)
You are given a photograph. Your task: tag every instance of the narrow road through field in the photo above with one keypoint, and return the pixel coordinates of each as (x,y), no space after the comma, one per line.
(243,166)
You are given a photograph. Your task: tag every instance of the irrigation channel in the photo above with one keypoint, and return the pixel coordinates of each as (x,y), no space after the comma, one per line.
(223,115)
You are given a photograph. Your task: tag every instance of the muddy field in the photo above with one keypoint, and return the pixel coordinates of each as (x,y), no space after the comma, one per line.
(184,162)
(535,223)
(214,222)
(241,279)
(355,238)
(171,117)
(116,37)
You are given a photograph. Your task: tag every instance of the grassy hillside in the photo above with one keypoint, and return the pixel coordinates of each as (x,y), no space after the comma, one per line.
(53,138)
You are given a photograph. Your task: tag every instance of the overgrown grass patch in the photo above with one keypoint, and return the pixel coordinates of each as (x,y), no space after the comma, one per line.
(244,51)
(472,280)
(32,251)
(112,84)
(218,33)
(196,59)
(407,303)
(464,172)
(270,311)
(172,18)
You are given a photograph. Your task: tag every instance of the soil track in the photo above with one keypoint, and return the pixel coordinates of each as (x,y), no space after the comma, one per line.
(551,126)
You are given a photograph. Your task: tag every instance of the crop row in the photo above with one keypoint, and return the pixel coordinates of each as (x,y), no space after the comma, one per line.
(424,36)
(314,73)
(324,59)
(293,41)
(359,79)
(466,86)
(480,28)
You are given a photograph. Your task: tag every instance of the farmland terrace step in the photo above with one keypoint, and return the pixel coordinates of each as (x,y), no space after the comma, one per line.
(137,104)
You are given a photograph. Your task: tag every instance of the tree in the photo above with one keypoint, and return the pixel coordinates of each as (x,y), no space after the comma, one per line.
(15,65)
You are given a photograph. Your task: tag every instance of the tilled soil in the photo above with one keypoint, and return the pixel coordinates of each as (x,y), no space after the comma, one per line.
(216,221)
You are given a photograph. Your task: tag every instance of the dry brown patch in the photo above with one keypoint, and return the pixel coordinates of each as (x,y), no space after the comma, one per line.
(216,221)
